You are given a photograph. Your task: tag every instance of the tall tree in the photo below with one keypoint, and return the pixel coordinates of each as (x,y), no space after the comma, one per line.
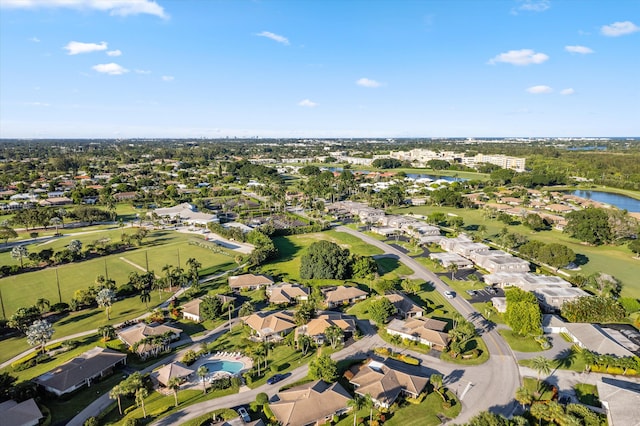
(141,394)
(105,298)
(19,252)
(542,365)
(7,233)
(356,404)
(145,297)
(115,393)
(202,373)
(39,333)
(174,385)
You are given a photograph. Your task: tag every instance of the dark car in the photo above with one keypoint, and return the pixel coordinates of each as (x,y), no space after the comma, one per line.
(275,379)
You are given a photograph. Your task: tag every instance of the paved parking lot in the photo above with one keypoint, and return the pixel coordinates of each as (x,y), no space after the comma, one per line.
(483,295)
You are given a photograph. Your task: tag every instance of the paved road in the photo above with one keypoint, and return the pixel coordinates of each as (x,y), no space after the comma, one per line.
(500,376)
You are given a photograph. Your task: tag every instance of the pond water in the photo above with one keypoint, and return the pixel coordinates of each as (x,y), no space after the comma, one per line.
(620,201)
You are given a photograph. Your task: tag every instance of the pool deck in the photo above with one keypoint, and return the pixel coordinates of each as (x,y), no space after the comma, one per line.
(246,361)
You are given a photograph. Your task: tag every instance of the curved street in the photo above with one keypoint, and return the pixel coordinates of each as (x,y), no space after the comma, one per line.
(490,386)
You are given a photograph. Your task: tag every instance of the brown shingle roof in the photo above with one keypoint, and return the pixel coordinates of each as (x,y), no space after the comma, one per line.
(384,381)
(342,293)
(309,403)
(249,280)
(270,322)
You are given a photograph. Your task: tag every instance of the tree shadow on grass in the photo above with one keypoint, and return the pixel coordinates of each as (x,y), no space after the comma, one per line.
(76,318)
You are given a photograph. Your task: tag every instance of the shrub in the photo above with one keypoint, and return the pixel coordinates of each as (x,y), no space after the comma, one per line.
(132,421)
(262,398)
(60,307)
(189,357)
(91,421)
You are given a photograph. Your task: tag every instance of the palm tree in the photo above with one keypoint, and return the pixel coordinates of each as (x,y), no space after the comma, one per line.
(168,270)
(436,381)
(453,268)
(542,365)
(334,334)
(194,265)
(304,343)
(19,252)
(145,297)
(524,396)
(356,404)
(55,221)
(368,402)
(202,372)
(174,385)
(105,299)
(115,393)
(141,394)
(107,332)
(43,305)
(39,333)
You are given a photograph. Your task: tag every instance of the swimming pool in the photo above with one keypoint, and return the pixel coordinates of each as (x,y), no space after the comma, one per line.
(231,367)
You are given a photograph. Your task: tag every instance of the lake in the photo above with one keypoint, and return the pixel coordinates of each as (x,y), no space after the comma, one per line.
(620,201)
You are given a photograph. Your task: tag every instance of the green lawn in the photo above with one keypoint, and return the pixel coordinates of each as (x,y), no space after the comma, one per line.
(392,268)
(425,413)
(573,361)
(520,343)
(162,247)
(615,260)
(541,390)
(587,394)
(291,248)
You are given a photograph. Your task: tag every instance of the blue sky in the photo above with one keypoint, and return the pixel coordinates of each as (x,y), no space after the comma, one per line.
(312,68)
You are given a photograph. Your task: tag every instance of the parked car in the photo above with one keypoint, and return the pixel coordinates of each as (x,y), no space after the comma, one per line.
(450,294)
(491,290)
(472,292)
(243,413)
(275,379)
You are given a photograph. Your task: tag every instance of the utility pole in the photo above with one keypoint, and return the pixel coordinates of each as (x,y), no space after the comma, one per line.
(58,283)
(4,317)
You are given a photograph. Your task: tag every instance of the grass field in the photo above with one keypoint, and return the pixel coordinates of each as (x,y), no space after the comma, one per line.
(291,248)
(161,247)
(615,260)
(520,343)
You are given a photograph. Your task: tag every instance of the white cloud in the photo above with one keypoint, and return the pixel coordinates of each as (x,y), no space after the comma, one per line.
(275,37)
(538,90)
(116,52)
(167,78)
(114,7)
(520,57)
(534,5)
(37,104)
(77,47)
(568,91)
(619,28)
(111,69)
(366,82)
(35,39)
(578,49)
(145,72)
(307,103)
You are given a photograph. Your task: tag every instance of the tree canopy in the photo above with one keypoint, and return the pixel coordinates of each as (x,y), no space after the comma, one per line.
(523,312)
(325,260)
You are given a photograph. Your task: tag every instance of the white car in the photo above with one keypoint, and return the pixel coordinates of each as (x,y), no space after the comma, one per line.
(449,294)
(243,413)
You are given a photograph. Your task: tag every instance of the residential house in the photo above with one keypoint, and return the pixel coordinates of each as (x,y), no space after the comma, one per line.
(386,381)
(405,307)
(427,331)
(341,295)
(139,338)
(447,259)
(270,325)
(586,335)
(312,403)
(316,327)
(620,400)
(191,309)
(286,294)
(499,261)
(123,196)
(55,201)
(81,370)
(187,214)
(551,299)
(25,413)
(249,282)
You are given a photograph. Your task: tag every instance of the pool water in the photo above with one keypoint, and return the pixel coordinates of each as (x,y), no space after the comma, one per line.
(231,367)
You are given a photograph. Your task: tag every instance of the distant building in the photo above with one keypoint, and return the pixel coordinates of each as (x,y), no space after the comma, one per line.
(405,307)
(136,337)
(186,213)
(316,327)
